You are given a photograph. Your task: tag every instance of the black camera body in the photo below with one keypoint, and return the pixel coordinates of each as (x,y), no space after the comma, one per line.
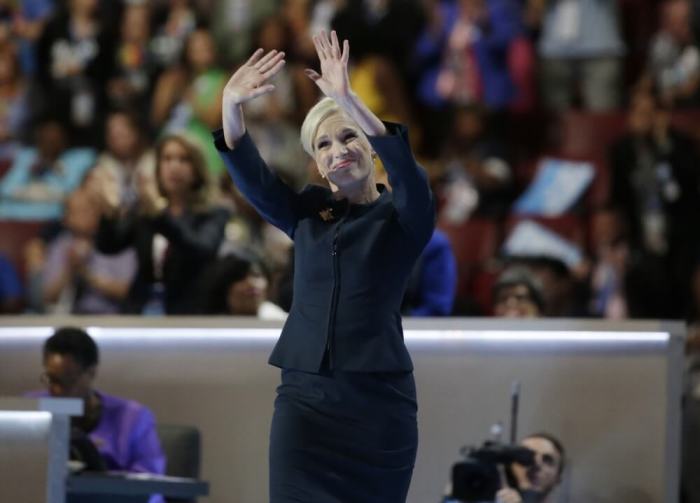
(478,477)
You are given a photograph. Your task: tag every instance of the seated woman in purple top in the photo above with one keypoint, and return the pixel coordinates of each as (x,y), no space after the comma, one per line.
(123,431)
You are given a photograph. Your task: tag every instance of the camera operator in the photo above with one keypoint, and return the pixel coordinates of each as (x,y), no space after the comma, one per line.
(535,483)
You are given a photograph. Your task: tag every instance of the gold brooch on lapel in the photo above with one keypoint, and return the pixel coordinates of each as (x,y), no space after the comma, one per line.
(326,215)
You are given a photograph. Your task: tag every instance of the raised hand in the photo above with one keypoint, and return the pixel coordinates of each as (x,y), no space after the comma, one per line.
(251,78)
(248,82)
(333,81)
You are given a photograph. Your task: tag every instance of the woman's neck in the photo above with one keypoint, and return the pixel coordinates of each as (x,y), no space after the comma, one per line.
(177,205)
(361,194)
(83,25)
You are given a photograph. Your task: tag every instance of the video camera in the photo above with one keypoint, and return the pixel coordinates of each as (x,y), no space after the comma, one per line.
(479,477)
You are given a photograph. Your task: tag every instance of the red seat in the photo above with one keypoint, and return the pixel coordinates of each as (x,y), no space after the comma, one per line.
(475,244)
(688,122)
(589,135)
(474,241)
(5,166)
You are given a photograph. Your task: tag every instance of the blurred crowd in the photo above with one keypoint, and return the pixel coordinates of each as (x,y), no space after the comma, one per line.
(561,138)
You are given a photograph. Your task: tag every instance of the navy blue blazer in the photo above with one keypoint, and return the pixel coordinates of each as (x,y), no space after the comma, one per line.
(352,262)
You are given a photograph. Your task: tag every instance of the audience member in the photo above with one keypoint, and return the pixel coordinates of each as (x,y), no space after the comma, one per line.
(610,252)
(233,23)
(135,66)
(28,25)
(674,57)
(174,20)
(383,36)
(176,232)
(128,158)
(238,285)
(188,97)
(75,62)
(471,40)
(123,431)
(478,178)
(247,231)
(41,177)
(518,294)
(386,28)
(15,110)
(580,43)
(655,184)
(75,277)
(433,282)
(11,291)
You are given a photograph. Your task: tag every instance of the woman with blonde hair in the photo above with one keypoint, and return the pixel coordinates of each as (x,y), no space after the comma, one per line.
(174,228)
(344,426)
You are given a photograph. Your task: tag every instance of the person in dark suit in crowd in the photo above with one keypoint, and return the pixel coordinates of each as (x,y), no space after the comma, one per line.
(344,426)
(175,229)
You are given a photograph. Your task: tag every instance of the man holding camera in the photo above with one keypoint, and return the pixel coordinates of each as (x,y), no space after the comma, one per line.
(535,483)
(519,483)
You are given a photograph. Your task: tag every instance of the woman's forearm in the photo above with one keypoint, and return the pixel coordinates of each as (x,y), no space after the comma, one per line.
(234,125)
(360,113)
(52,290)
(109,287)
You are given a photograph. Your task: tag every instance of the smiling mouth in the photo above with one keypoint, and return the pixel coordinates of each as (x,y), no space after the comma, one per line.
(342,165)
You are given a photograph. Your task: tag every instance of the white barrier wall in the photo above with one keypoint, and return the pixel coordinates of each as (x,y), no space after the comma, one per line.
(611,392)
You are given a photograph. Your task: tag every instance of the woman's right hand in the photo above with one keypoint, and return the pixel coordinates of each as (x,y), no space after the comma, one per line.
(104,186)
(249,81)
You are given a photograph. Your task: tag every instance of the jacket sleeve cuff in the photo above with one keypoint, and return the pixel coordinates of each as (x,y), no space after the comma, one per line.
(220,141)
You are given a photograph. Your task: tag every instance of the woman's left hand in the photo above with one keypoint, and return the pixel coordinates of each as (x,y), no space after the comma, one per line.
(333,81)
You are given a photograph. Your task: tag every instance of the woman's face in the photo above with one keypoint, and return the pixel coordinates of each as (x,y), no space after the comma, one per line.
(83,7)
(342,152)
(245,296)
(201,52)
(122,139)
(136,24)
(176,171)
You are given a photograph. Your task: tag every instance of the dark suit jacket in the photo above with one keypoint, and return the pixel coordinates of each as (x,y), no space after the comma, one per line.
(352,262)
(194,240)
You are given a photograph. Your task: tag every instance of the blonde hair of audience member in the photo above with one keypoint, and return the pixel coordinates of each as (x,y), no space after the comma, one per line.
(342,152)
(182,178)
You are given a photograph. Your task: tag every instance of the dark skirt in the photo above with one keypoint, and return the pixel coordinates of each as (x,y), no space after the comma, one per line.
(343,437)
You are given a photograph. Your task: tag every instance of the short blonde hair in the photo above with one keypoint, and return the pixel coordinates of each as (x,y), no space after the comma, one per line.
(314,117)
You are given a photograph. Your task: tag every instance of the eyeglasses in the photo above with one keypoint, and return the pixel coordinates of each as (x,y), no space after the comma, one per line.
(65,383)
(520,298)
